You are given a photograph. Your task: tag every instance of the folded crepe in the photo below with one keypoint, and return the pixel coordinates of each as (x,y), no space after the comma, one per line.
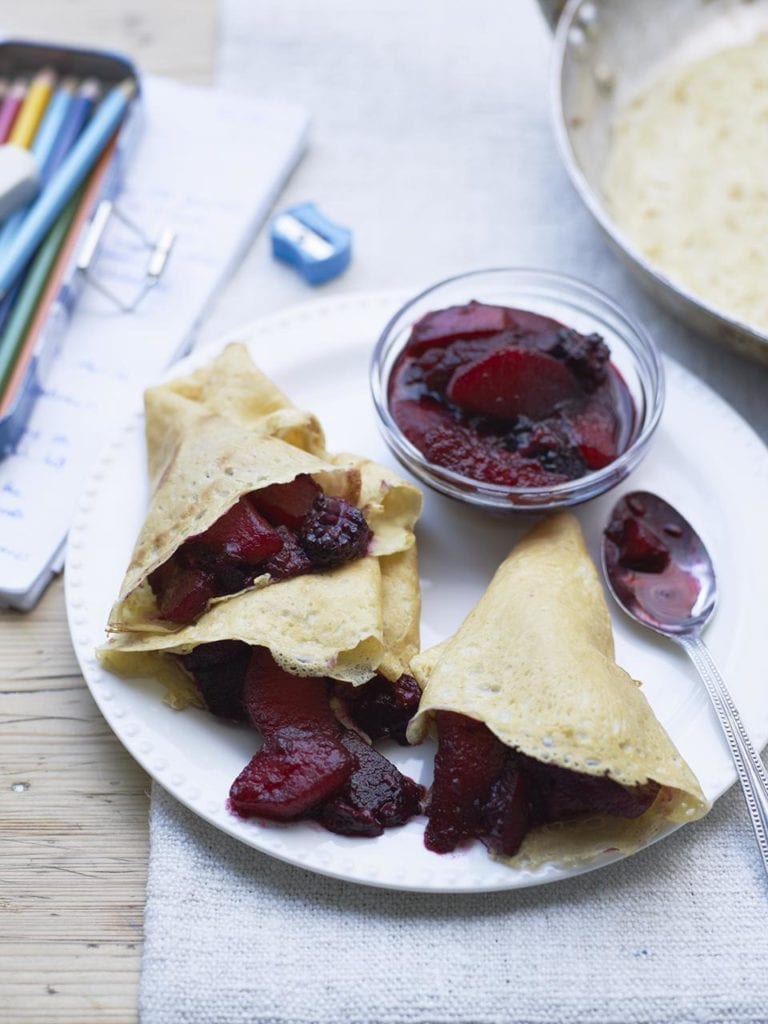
(233,387)
(534,661)
(209,441)
(219,434)
(350,624)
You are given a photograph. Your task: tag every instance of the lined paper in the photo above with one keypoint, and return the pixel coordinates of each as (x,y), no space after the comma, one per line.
(209,164)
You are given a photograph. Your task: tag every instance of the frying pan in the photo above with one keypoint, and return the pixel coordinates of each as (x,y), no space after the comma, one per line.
(604,50)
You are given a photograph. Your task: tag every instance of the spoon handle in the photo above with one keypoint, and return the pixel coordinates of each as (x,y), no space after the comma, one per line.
(752,773)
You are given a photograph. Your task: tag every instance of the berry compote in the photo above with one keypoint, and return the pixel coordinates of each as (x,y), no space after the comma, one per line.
(486,790)
(282,530)
(509,397)
(310,764)
(653,558)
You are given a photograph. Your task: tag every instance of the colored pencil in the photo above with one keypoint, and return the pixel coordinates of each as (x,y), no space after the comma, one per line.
(32,109)
(51,126)
(53,285)
(63,121)
(70,175)
(42,148)
(32,290)
(10,107)
(78,113)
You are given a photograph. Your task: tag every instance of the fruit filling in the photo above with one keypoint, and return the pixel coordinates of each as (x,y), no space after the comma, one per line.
(509,397)
(283,530)
(309,765)
(302,760)
(218,671)
(376,795)
(652,560)
(484,789)
(381,708)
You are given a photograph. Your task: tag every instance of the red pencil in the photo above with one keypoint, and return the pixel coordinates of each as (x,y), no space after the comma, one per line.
(10,107)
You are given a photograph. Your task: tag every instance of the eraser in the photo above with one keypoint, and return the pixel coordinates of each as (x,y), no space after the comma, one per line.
(19,178)
(317,247)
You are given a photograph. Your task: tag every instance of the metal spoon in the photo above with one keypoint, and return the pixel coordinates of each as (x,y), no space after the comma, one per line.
(661,574)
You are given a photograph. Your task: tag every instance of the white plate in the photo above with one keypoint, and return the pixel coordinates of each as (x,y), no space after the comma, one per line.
(704,459)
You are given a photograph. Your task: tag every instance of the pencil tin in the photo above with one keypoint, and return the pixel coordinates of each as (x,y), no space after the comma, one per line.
(24,58)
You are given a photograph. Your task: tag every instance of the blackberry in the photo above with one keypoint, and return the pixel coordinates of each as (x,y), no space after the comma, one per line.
(333,532)
(218,670)
(518,437)
(549,445)
(586,355)
(567,463)
(376,796)
(382,708)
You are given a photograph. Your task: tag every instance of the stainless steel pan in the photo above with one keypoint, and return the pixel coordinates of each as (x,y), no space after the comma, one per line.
(603,51)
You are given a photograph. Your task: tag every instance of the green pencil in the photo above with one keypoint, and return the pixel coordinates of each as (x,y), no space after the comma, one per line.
(32,289)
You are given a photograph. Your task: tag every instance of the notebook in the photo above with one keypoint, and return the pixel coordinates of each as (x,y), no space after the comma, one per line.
(208,164)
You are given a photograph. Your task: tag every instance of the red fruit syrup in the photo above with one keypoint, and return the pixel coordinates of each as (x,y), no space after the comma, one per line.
(509,397)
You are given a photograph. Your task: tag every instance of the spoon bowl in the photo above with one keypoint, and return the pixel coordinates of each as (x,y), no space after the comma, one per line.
(661,574)
(677,598)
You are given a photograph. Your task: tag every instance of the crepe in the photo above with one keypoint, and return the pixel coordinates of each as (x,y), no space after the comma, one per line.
(215,463)
(220,433)
(233,387)
(350,624)
(534,661)
(316,625)
(208,444)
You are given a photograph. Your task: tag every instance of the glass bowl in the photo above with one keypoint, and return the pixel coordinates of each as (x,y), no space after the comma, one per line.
(575,305)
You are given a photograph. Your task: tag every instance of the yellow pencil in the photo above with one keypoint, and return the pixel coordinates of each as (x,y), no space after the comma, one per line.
(33,108)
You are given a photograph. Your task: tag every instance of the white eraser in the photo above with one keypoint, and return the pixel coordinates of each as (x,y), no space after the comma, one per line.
(19,178)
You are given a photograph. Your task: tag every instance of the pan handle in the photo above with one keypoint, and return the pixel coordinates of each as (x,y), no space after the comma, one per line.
(552,9)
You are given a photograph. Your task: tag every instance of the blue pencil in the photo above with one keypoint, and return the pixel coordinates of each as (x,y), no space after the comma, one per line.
(72,172)
(50,126)
(42,146)
(64,119)
(78,113)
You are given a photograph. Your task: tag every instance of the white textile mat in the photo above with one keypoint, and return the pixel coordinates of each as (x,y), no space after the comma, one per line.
(234,936)
(433,144)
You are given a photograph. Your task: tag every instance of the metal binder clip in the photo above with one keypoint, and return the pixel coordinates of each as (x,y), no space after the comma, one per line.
(159,250)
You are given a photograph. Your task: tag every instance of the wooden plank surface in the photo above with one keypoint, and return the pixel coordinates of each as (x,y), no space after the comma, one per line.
(73,803)
(73,835)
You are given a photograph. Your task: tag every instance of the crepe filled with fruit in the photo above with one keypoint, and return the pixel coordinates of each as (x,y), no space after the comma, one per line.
(548,750)
(317,666)
(244,495)
(317,662)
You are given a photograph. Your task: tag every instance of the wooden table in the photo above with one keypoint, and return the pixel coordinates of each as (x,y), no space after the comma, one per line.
(73,803)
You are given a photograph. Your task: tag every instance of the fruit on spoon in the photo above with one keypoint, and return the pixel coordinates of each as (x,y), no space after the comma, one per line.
(666,581)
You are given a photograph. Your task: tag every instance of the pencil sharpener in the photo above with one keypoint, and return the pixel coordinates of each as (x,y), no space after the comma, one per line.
(315,246)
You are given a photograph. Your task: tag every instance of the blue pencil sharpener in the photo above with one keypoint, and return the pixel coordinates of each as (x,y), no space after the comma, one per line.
(315,246)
